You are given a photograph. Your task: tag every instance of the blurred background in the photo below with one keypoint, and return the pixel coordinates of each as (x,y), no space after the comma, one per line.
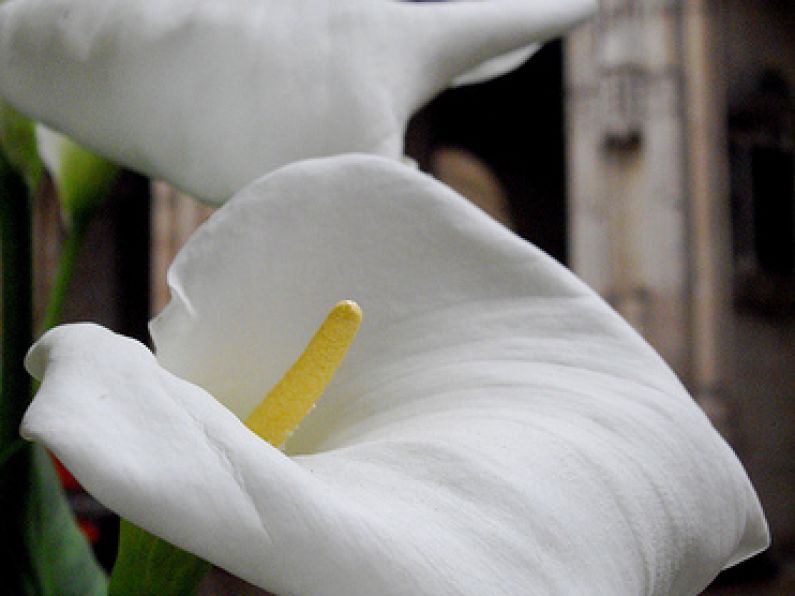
(652,151)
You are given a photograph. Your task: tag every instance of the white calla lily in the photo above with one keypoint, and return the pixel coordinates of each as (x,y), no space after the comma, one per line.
(496,67)
(495,429)
(493,67)
(211,94)
(83,179)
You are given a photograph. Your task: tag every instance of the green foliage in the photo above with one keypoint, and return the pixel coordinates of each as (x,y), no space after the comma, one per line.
(18,145)
(149,566)
(42,549)
(42,543)
(84,180)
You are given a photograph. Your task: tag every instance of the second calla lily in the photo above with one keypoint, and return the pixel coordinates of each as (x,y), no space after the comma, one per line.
(211,94)
(82,179)
(495,429)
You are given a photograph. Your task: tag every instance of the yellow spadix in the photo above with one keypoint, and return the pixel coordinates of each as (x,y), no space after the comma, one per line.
(291,399)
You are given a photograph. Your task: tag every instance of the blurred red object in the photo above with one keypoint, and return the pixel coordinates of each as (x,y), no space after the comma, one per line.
(67,480)
(90,530)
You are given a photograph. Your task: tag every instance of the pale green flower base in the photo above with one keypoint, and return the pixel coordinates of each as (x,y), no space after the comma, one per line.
(147,565)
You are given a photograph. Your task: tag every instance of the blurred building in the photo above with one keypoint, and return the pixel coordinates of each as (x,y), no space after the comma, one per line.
(680,179)
(666,183)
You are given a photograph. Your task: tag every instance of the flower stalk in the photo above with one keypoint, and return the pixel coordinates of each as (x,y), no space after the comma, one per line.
(75,237)
(148,565)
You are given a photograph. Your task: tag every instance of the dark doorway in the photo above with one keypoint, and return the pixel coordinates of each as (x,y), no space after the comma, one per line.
(514,124)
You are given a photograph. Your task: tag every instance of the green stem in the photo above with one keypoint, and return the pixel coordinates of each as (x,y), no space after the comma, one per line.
(66,265)
(148,565)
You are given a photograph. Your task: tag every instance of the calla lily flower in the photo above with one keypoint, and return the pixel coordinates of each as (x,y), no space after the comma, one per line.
(496,67)
(495,428)
(493,67)
(83,179)
(209,95)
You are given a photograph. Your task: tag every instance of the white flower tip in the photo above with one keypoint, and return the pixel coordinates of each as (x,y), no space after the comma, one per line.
(61,338)
(49,144)
(496,67)
(476,41)
(60,358)
(756,537)
(36,361)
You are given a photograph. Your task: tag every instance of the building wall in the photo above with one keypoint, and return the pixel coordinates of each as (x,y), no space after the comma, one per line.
(650,88)
(626,179)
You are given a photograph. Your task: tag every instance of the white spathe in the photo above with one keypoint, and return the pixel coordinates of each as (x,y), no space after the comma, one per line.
(83,179)
(211,94)
(50,145)
(495,429)
(496,67)
(493,67)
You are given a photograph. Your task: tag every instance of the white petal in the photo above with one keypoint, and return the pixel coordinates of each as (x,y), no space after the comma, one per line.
(523,500)
(210,94)
(497,66)
(165,454)
(49,144)
(494,67)
(492,407)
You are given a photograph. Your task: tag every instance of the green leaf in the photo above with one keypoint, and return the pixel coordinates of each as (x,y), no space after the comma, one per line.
(18,144)
(149,566)
(86,179)
(43,551)
(41,541)
(83,178)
